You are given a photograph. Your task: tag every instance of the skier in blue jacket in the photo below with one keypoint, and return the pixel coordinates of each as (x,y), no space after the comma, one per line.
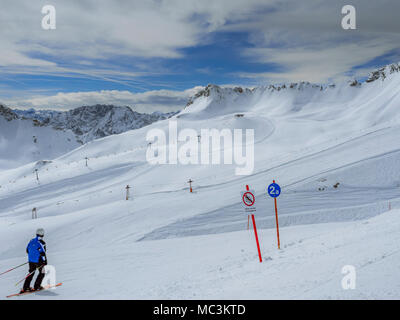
(36,251)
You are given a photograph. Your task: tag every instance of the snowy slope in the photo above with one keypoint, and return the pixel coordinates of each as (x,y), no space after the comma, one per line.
(23,141)
(225,266)
(169,243)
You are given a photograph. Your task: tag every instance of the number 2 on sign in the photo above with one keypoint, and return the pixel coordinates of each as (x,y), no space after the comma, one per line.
(272,190)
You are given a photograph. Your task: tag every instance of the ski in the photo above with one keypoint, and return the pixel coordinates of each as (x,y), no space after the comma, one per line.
(45,288)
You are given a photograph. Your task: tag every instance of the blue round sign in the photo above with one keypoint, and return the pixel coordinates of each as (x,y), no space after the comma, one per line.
(274,190)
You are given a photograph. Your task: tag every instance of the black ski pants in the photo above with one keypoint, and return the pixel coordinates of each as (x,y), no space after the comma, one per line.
(32,267)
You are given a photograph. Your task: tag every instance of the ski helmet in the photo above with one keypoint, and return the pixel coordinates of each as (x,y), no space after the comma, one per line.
(40,232)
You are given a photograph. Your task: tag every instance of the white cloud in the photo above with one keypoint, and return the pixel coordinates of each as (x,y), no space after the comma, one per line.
(93,36)
(148,102)
(101,29)
(318,65)
(303,38)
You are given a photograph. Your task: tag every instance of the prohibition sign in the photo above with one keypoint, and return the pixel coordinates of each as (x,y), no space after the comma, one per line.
(248,198)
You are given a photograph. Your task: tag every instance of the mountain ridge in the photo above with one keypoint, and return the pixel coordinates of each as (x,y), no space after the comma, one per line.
(93,122)
(381,73)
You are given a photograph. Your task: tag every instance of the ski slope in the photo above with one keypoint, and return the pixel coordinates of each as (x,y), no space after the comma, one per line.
(22,142)
(168,243)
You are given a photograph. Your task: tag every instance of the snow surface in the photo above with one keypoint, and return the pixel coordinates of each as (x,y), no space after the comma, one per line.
(22,142)
(167,243)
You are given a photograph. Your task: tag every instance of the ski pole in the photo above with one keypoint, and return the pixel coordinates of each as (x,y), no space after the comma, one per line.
(29,275)
(13,268)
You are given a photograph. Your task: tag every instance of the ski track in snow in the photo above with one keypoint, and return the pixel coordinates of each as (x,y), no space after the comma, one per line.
(166,243)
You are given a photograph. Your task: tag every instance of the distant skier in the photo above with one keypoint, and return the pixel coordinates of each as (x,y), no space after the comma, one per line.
(36,251)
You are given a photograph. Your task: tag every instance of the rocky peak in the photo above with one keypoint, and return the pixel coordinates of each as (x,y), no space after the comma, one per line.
(7,113)
(217,92)
(93,122)
(383,72)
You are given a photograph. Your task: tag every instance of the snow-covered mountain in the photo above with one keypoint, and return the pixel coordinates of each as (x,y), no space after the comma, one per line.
(334,150)
(93,122)
(7,113)
(23,141)
(33,135)
(294,96)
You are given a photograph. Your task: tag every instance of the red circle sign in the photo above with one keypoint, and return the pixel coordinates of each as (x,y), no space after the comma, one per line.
(248,198)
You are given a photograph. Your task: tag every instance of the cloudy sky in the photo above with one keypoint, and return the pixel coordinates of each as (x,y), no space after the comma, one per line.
(154,54)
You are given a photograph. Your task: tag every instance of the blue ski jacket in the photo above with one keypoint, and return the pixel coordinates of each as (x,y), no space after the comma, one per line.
(36,251)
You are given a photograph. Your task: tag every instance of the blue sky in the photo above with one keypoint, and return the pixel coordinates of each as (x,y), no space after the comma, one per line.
(197,66)
(153,55)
